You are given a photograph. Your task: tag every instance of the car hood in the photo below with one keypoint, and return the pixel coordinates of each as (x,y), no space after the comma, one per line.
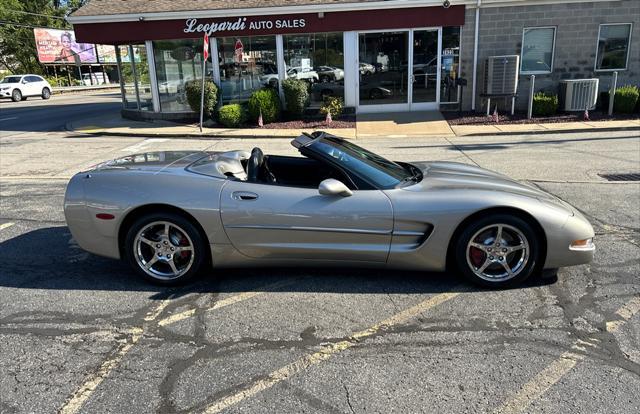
(453,175)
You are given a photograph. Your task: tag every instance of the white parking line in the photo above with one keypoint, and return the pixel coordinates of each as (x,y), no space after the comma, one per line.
(227,301)
(9,118)
(549,376)
(6,225)
(325,353)
(82,394)
(91,383)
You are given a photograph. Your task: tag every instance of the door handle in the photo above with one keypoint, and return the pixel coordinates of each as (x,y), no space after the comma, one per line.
(244,196)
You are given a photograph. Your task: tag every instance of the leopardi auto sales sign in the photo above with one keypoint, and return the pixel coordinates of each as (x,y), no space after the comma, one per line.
(241,25)
(142,29)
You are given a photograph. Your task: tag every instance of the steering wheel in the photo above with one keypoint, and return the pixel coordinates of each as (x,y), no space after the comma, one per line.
(254,164)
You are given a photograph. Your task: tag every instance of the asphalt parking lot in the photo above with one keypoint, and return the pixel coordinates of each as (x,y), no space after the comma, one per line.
(80,333)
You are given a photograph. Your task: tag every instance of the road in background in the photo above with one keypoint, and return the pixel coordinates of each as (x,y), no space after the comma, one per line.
(80,333)
(38,115)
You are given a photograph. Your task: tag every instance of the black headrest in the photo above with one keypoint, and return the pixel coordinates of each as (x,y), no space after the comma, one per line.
(255,162)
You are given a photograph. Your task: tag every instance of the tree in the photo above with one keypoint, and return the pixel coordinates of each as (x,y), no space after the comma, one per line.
(18,18)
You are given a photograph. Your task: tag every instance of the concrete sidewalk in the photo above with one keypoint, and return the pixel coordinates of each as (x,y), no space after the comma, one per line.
(509,129)
(369,126)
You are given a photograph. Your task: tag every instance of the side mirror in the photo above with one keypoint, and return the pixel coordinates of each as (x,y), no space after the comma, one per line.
(24,81)
(331,186)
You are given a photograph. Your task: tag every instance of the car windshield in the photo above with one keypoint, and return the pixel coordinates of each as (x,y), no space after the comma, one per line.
(11,79)
(372,167)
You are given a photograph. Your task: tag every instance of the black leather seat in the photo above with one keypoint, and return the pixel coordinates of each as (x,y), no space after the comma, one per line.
(257,170)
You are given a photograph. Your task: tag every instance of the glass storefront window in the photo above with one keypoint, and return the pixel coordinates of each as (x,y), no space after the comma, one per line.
(246,64)
(134,77)
(383,67)
(317,59)
(450,66)
(537,50)
(177,62)
(142,77)
(613,46)
(129,100)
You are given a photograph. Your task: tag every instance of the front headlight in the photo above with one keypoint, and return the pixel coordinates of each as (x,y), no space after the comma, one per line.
(4,88)
(582,245)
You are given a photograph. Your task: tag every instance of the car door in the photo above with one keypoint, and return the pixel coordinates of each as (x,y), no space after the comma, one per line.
(32,86)
(280,222)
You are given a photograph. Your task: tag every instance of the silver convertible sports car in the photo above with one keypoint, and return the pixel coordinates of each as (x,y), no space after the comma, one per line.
(173,214)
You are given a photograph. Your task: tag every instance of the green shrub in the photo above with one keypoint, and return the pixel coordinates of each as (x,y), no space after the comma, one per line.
(193,90)
(296,95)
(625,99)
(545,104)
(332,104)
(267,101)
(232,115)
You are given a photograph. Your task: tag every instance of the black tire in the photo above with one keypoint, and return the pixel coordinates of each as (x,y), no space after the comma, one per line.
(16,95)
(200,253)
(46,93)
(463,264)
(325,78)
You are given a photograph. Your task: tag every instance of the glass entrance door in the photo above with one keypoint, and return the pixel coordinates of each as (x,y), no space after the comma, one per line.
(383,76)
(399,70)
(425,69)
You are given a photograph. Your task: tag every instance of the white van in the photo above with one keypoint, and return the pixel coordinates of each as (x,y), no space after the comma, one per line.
(99,78)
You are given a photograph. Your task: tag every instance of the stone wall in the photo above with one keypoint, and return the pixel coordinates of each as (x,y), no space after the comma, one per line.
(575,47)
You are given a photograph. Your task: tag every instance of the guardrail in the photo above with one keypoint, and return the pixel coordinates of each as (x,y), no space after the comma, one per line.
(75,89)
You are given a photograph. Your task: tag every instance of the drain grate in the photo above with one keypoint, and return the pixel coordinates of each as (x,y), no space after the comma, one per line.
(621,177)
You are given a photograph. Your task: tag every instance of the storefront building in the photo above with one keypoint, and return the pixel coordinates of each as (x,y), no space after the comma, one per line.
(397,55)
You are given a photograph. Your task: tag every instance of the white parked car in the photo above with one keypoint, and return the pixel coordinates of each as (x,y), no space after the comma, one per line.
(367,68)
(305,74)
(20,87)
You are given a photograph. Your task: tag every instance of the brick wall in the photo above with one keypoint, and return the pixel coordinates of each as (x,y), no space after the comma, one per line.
(575,48)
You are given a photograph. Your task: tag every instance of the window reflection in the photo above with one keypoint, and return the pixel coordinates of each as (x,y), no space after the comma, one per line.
(613,47)
(450,66)
(383,67)
(177,62)
(246,64)
(317,59)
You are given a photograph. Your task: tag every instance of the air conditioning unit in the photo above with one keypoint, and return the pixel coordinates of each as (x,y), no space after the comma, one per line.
(578,94)
(501,75)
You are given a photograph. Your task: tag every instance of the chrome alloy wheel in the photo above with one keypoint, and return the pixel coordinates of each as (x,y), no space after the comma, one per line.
(163,250)
(497,252)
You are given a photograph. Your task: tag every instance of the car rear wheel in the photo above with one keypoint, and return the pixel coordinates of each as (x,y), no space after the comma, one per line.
(497,251)
(16,95)
(46,93)
(165,248)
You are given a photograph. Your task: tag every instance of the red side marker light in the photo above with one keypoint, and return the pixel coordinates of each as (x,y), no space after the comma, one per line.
(105,216)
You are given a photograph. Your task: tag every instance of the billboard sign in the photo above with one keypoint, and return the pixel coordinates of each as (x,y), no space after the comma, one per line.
(59,46)
(107,54)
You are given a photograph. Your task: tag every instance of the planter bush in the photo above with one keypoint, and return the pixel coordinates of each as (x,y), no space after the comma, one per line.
(625,99)
(232,115)
(267,101)
(193,90)
(333,105)
(296,96)
(545,104)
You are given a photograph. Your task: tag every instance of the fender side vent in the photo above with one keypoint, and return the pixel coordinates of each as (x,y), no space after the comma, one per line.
(621,177)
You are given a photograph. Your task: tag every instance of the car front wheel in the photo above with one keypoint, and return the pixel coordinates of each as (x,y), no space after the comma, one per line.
(16,95)
(497,251)
(165,248)
(46,93)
